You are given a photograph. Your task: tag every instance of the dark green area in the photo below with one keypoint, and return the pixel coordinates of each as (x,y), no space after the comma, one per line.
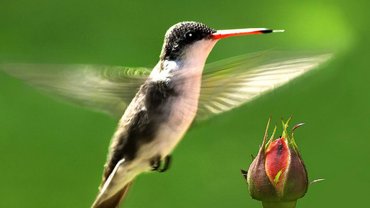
(52,153)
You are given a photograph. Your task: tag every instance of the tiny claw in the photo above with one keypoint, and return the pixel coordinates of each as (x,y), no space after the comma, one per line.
(167,162)
(156,163)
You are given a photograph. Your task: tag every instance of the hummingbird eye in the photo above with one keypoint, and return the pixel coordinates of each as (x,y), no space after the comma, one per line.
(190,36)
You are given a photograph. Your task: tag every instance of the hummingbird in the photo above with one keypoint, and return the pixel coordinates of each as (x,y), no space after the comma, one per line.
(157,106)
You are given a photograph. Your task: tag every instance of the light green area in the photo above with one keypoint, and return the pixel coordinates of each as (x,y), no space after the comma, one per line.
(52,153)
(277,176)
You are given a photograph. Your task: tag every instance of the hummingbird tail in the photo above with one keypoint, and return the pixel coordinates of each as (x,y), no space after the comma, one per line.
(114,201)
(114,187)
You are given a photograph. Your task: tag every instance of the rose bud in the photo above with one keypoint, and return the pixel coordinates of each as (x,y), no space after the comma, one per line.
(277,175)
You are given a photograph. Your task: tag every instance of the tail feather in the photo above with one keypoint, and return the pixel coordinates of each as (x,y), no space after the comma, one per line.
(113,188)
(114,201)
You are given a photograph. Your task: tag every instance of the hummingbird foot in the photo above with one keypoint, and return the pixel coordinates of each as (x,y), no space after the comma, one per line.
(156,164)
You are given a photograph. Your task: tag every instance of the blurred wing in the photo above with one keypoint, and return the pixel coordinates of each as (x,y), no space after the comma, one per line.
(232,82)
(104,88)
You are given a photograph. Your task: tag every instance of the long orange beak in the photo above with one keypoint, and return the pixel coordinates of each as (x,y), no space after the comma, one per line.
(220,34)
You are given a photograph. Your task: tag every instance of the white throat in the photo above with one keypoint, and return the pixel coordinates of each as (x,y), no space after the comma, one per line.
(189,66)
(196,54)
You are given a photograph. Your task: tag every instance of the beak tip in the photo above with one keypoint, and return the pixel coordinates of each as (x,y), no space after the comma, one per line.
(271,31)
(278,31)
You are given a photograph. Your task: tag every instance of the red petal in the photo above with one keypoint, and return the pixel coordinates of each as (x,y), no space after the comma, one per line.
(277,162)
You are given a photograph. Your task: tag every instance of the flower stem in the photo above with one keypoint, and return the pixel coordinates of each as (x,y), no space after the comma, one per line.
(290,204)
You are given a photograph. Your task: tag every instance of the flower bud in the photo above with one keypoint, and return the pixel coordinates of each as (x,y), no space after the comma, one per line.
(278,173)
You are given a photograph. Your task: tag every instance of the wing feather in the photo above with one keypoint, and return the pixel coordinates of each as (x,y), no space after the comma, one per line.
(232,82)
(226,84)
(104,88)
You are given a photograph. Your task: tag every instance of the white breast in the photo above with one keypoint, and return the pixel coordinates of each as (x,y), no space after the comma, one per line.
(183,110)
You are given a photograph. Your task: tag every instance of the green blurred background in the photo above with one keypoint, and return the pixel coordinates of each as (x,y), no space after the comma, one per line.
(52,153)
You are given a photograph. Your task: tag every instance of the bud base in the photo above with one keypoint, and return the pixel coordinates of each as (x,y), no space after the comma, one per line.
(290,204)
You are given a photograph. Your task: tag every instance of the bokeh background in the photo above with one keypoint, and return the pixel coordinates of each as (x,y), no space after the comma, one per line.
(52,153)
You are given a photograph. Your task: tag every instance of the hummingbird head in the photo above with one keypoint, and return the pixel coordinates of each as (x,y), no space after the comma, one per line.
(189,43)
(185,37)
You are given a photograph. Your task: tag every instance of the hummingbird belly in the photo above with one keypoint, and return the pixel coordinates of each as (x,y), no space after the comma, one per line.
(170,132)
(181,110)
